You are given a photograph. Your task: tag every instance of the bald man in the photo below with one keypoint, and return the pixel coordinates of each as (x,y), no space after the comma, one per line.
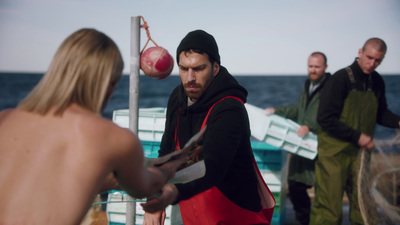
(352,102)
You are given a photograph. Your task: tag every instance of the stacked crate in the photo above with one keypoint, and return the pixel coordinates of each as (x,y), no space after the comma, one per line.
(150,130)
(271,162)
(116,209)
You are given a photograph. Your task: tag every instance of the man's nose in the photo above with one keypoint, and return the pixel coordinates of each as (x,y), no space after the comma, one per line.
(191,75)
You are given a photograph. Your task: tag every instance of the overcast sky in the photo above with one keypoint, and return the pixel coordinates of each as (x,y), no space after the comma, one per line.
(255,37)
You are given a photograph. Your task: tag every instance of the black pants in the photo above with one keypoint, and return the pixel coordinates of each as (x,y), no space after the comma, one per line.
(300,200)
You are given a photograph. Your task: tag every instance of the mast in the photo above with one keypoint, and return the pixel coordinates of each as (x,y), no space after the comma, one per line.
(133,101)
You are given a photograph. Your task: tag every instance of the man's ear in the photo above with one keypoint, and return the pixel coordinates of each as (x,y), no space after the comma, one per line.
(216,68)
(360,51)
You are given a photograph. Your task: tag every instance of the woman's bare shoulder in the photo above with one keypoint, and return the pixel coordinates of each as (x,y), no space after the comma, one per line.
(97,130)
(108,134)
(13,117)
(5,113)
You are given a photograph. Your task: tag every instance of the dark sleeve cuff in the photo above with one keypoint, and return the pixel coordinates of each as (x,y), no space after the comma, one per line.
(178,198)
(355,137)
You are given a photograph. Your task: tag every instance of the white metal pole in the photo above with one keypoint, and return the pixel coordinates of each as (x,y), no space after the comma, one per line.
(133,101)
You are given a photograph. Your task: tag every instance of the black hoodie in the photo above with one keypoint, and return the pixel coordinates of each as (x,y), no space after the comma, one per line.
(226,143)
(334,94)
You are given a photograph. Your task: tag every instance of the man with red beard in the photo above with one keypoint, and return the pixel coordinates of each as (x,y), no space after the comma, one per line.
(228,192)
(301,174)
(352,102)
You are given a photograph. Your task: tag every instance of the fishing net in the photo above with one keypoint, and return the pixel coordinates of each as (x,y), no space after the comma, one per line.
(379,182)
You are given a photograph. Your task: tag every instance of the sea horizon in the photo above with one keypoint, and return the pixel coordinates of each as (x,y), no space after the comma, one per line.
(263,91)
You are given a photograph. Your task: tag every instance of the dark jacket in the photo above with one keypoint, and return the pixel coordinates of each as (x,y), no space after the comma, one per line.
(304,112)
(336,91)
(226,143)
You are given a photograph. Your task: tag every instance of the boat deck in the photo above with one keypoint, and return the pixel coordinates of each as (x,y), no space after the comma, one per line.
(96,217)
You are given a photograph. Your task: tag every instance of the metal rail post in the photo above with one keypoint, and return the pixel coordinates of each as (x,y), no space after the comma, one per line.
(133,100)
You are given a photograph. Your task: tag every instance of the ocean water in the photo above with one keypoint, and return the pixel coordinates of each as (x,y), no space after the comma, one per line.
(264,91)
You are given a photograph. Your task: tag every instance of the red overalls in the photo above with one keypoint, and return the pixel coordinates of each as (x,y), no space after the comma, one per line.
(211,207)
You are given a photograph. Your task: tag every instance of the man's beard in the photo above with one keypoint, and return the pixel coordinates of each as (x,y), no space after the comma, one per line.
(193,95)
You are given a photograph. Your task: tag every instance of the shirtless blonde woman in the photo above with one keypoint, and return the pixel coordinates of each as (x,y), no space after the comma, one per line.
(56,150)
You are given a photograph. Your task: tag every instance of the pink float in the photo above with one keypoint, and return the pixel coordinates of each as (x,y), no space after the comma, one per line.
(156,62)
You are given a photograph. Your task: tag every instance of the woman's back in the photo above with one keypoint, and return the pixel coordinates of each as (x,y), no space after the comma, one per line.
(51,165)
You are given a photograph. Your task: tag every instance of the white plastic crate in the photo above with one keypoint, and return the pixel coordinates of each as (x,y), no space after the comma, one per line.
(280,132)
(151,122)
(116,209)
(276,181)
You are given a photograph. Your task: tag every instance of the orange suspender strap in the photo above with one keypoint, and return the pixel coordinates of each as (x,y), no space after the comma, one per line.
(268,201)
(177,146)
(205,119)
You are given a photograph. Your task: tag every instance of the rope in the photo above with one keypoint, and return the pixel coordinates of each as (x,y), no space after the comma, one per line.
(370,197)
(123,201)
(381,199)
(146,27)
(385,185)
(361,202)
(391,142)
(120,201)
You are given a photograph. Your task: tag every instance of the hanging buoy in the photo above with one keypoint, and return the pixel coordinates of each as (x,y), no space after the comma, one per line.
(156,62)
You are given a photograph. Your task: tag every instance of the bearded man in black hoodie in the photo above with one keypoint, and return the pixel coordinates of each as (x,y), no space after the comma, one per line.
(228,192)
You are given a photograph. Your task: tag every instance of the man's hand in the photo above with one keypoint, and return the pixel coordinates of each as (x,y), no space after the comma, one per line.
(170,167)
(269,111)
(157,218)
(366,142)
(303,131)
(168,196)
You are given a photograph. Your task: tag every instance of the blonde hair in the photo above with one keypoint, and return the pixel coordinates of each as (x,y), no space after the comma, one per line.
(81,71)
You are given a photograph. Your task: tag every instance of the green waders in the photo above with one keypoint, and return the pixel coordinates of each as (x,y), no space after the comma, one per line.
(337,166)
